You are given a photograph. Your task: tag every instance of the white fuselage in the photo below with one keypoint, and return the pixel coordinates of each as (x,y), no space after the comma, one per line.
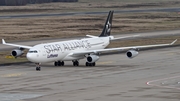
(59,51)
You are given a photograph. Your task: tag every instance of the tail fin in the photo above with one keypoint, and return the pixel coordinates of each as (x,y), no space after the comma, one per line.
(107,27)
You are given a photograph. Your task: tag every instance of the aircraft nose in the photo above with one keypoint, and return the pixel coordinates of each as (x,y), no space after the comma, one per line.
(30,57)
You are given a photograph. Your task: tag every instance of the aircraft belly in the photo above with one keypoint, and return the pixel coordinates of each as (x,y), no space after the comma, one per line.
(72,58)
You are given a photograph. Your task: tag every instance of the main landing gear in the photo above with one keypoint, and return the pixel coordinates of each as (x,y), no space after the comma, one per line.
(90,64)
(75,63)
(59,63)
(38,68)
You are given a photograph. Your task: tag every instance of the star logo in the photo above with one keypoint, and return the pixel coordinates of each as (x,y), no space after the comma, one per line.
(108,27)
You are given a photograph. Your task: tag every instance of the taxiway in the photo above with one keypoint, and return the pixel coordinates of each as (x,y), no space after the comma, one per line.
(153,75)
(90,13)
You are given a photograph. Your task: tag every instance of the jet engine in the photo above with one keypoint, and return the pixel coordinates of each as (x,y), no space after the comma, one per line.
(17,52)
(92,58)
(131,53)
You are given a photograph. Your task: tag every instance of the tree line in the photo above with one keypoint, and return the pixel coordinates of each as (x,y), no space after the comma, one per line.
(24,2)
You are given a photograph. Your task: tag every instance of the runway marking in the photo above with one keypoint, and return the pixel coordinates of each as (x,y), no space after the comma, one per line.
(150,83)
(107,62)
(13,75)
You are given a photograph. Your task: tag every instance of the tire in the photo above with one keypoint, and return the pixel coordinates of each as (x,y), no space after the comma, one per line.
(59,63)
(93,64)
(62,63)
(55,64)
(87,64)
(77,64)
(38,68)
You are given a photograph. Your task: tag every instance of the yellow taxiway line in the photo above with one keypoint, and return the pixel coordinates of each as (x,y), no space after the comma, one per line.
(12,75)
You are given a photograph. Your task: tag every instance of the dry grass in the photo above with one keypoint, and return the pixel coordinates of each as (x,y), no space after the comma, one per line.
(68,26)
(80,25)
(4,60)
(88,5)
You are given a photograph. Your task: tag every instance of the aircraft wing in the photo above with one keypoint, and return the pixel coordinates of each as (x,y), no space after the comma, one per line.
(22,46)
(120,49)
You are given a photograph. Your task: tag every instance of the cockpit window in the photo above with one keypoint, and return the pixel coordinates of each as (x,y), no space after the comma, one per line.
(34,51)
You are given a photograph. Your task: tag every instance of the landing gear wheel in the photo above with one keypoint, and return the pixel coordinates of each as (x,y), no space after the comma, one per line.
(38,68)
(55,63)
(87,64)
(76,63)
(90,64)
(94,64)
(59,63)
(62,63)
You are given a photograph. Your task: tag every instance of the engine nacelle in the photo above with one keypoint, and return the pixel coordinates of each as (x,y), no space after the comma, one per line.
(132,53)
(92,58)
(17,52)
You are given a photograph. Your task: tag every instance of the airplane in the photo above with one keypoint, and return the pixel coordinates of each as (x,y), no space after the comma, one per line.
(74,50)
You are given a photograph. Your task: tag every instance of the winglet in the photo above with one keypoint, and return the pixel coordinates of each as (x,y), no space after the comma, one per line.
(3,41)
(173,42)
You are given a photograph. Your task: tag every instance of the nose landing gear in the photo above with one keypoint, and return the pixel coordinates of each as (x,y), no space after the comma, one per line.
(38,68)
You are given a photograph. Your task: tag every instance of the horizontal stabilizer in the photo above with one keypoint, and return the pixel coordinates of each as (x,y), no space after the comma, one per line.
(124,37)
(3,41)
(91,36)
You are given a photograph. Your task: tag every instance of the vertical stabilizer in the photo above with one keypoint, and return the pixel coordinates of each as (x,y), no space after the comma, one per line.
(107,27)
